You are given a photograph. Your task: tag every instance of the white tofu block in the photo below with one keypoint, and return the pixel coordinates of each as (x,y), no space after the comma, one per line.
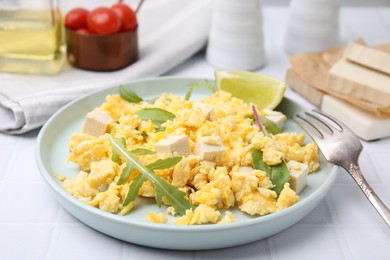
(356,81)
(205,108)
(365,125)
(315,95)
(269,112)
(174,144)
(277,119)
(275,116)
(369,57)
(298,175)
(209,151)
(307,91)
(96,123)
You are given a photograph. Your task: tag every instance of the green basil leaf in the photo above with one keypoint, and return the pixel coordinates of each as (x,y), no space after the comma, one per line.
(271,126)
(157,115)
(128,94)
(194,85)
(278,174)
(189,93)
(160,128)
(259,164)
(211,87)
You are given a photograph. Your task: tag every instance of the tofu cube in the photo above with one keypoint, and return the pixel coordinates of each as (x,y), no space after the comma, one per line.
(278,120)
(298,175)
(275,116)
(179,144)
(209,148)
(96,123)
(205,108)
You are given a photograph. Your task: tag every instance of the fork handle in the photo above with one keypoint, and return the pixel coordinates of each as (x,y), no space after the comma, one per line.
(378,204)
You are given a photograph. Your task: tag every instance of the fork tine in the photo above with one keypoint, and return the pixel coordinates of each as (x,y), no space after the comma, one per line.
(329,127)
(331,118)
(310,132)
(345,130)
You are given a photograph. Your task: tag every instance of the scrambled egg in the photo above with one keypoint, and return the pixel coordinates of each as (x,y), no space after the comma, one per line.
(212,187)
(159,218)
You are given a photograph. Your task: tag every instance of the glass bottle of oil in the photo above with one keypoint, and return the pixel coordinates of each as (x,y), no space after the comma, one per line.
(31,37)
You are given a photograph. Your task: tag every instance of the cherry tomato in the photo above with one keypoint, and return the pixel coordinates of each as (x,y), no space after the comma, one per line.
(76,19)
(103,20)
(127,16)
(83,31)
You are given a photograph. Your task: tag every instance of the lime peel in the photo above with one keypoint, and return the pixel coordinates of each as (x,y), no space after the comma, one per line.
(263,91)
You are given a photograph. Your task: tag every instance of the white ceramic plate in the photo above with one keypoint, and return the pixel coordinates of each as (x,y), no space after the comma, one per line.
(52,153)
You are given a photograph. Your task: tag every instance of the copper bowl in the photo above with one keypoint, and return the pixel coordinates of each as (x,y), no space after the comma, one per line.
(101,52)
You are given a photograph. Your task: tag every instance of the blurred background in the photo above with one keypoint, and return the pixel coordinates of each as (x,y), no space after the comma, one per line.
(343,2)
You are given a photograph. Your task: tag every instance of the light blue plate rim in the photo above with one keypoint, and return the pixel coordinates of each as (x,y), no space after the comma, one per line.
(54,185)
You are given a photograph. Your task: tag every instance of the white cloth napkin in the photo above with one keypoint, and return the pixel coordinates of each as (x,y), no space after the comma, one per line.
(170,31)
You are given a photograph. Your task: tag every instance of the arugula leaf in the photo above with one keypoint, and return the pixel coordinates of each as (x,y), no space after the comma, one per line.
(194,85)
(157,115)
(128,169)
(128,94)
(278,174)
(163,188)
(141,151)
(161,164)
(134,187)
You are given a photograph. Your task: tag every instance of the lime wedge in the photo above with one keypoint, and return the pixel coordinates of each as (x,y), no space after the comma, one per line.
(263,91)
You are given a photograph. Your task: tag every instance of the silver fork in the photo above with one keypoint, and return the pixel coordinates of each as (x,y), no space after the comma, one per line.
(342,147)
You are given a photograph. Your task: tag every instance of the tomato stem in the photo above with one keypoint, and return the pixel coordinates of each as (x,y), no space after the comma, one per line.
(139,5)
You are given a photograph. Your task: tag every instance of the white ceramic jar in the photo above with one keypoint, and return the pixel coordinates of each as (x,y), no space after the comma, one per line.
(313,25)
(236,35)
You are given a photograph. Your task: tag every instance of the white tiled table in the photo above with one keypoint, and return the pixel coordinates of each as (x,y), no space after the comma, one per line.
(344,226)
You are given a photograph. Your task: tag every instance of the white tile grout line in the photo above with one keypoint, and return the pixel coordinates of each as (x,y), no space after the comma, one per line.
(54,234)
(336,227)
(123,249)
(8,166)
(272,248)
(336,224)
(376,169)
(53,241)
